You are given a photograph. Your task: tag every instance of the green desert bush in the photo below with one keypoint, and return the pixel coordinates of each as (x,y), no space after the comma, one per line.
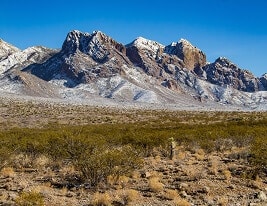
(95,166)
(259,153)
(30,199)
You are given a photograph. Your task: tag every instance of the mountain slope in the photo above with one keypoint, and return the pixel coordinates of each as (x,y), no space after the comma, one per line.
(142,71)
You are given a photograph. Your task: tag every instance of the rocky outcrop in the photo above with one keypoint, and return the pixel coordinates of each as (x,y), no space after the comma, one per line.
(189,54)
(97,45)
(263,81)
(83,58)
(145,53)
(224,73)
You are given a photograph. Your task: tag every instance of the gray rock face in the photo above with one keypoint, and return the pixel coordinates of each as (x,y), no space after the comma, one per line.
(224,73)
(263,81)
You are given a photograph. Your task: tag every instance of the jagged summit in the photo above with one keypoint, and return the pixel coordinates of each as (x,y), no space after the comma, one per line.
(191,56)
(185,42)
(143,43)
(95,44)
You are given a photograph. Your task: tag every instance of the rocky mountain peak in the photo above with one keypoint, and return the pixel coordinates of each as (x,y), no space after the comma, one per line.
(191,56)
(105,40)
(75,40)
(263,80)
(224,62)
(96,45)
(223,72)
(185,42)
(145,53)
(6,49)
(143,43)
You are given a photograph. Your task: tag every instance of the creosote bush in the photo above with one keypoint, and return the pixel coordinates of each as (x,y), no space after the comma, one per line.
(100,163)
(30,199)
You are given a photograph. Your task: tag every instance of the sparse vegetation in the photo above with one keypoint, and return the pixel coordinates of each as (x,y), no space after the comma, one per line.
(155,185)
(103,150)
(30,199)
(101,199)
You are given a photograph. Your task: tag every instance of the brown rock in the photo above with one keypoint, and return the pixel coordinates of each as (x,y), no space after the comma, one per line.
(191,55)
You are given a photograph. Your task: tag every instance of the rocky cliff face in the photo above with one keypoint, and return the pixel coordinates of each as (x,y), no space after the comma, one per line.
(189,54)
(225,73)
(263,81)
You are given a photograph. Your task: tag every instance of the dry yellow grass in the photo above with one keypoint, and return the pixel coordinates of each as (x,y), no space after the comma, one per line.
(41,161)
(181,202)
(120,182)
(213,169)
(227,175)
(155,185)
(181,155)
(135,175)
(170,194)
(127,196)
(223,201)
(200,154)
(101,199)
(8,172)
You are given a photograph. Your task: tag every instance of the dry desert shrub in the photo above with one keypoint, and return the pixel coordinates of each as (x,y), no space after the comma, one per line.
(213,169)
(135,175)
(227,175)
(157,159)
(22,161)
(181,202)
(181,155)
(41,162)
(101,199)
(155,185)
(223,201)
(30,199)
(127,196)
(193,173)
(170,194)
(119,181)
(7,172)
(200,154)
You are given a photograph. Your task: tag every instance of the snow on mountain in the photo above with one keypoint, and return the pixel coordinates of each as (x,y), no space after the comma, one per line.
(24,58)
(145,44)
(6,49)
(144,72)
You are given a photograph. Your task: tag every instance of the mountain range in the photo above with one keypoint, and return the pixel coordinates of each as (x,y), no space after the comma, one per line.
(97,67)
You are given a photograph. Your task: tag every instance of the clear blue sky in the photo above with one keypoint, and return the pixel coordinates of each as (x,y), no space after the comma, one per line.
(236,29)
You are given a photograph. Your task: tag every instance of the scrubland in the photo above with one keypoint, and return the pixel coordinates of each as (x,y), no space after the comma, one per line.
(55,154)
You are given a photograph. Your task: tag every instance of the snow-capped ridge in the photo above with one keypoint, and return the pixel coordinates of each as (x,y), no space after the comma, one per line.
(184,41)
(141,42)
(142,71)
